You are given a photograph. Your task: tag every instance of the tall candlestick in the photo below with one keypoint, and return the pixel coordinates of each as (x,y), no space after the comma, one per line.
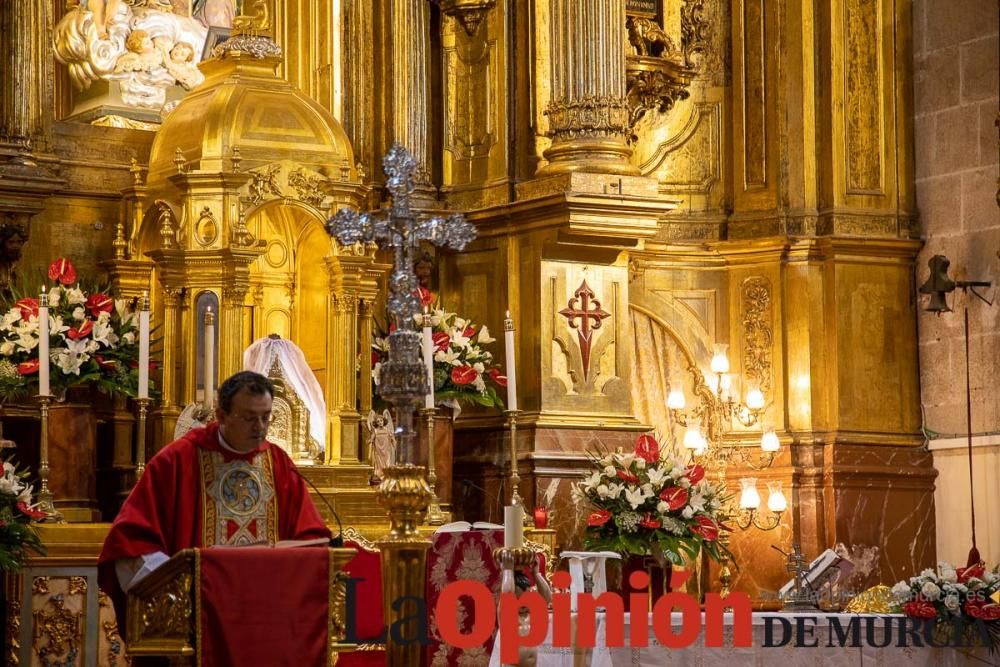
(508,334)
(144,346)
(428,348)
(209,359)
(43,343)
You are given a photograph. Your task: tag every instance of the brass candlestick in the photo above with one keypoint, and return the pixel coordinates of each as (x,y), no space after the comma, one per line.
(435,516)
(515,478)
(140,437)
(45,503)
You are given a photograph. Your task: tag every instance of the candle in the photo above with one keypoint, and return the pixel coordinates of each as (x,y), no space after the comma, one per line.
(541,518)
(43,343)
(513,527)
(209,358)
(428,345)
(508,334)
(144,346)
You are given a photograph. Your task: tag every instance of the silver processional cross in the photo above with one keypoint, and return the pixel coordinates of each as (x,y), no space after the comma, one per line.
(403,379)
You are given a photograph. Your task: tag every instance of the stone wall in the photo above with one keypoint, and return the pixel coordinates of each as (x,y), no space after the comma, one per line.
(955,108)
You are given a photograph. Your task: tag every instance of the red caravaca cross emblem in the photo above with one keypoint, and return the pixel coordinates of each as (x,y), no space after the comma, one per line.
(579,308)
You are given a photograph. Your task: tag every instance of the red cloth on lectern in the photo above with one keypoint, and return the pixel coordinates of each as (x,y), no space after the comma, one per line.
(165,508)
(263,606)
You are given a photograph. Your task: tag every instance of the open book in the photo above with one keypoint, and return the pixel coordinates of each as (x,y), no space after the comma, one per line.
(822,569)
(462,526)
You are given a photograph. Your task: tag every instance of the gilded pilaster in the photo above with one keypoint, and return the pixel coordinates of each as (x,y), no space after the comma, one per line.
(410,52)
(588,114)
(366,316)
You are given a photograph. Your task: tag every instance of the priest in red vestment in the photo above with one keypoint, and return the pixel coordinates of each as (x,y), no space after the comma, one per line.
(222,485)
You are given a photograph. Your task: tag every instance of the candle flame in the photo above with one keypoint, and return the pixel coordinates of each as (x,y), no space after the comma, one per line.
(508,314)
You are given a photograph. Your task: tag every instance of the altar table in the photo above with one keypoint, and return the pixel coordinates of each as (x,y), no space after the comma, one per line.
(699,655)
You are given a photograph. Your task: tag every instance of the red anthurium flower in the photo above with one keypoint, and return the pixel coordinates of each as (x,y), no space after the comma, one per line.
(99,303)
(694,473)
(966,573)
(469,332)
(647,448)
(82,331)
(28,307)
(135,364)
(106,364)
(650,522)
(707,528)
(501,380)
(463,375)
(426,296)
(441,340)
(63,271)
(375,357)
(392,327)
(30,512)
(675,497)
(598,518)
(626,476)
(919,609)
(29,367)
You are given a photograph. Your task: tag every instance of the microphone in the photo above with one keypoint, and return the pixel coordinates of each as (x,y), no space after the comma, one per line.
(335,542)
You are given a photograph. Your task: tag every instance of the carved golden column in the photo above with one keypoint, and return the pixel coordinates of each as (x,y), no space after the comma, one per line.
(410,34)
(367,320)
(359,84)
(22,24)
(168,410)
(231,343)
(588,114)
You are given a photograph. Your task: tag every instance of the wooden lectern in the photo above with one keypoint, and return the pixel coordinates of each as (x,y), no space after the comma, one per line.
(165,609)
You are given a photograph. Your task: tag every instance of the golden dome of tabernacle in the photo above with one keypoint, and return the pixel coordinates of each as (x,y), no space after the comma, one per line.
(244,104)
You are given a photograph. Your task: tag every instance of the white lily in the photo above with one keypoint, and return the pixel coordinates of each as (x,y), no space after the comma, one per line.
(484,337)
(634,497)
(74,296)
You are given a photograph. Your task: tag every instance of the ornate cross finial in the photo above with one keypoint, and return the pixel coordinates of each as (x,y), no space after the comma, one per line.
(400,229)
(403,379)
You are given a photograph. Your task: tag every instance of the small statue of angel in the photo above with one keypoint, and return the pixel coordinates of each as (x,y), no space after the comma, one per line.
(382,440)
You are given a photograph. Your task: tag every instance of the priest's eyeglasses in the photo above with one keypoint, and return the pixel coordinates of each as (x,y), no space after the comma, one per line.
(252,420)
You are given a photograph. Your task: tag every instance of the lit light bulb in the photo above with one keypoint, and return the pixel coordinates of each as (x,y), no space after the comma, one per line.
(720,362)
(776,499)
(769,441)
(755,398)
(692,436)
(749,498)
(675,399)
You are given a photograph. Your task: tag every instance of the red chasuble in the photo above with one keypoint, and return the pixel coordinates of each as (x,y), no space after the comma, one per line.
(194,493)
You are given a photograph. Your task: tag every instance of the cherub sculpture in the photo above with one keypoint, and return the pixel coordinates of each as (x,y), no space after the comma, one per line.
(382,441)
(180,63)
(142,55)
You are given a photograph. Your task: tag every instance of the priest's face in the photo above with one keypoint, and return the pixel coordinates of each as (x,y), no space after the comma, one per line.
(244,426)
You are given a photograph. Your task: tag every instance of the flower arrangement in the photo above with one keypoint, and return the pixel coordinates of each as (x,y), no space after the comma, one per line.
(16,534)
(93,338)
(952,596)
(464,371)
(648,503)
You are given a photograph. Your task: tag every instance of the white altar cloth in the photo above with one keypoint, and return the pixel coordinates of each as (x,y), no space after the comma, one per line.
(727,655)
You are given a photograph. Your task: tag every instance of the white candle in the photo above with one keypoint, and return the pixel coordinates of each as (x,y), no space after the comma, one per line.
(209,358)
(43,343)
(144,346)
(428,345)
(508,335)
(513,527)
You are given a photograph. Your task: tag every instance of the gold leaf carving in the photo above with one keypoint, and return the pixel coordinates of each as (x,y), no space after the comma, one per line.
(58,632)
(77,585)
(758,332)
(13,632)
(40,586)
(469,124)
(166,614)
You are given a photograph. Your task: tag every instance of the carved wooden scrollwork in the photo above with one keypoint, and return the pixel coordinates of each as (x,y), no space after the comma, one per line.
(758,332)
(167,613)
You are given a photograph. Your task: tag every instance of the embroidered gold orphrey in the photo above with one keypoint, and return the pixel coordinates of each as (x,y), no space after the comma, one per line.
(239,504)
